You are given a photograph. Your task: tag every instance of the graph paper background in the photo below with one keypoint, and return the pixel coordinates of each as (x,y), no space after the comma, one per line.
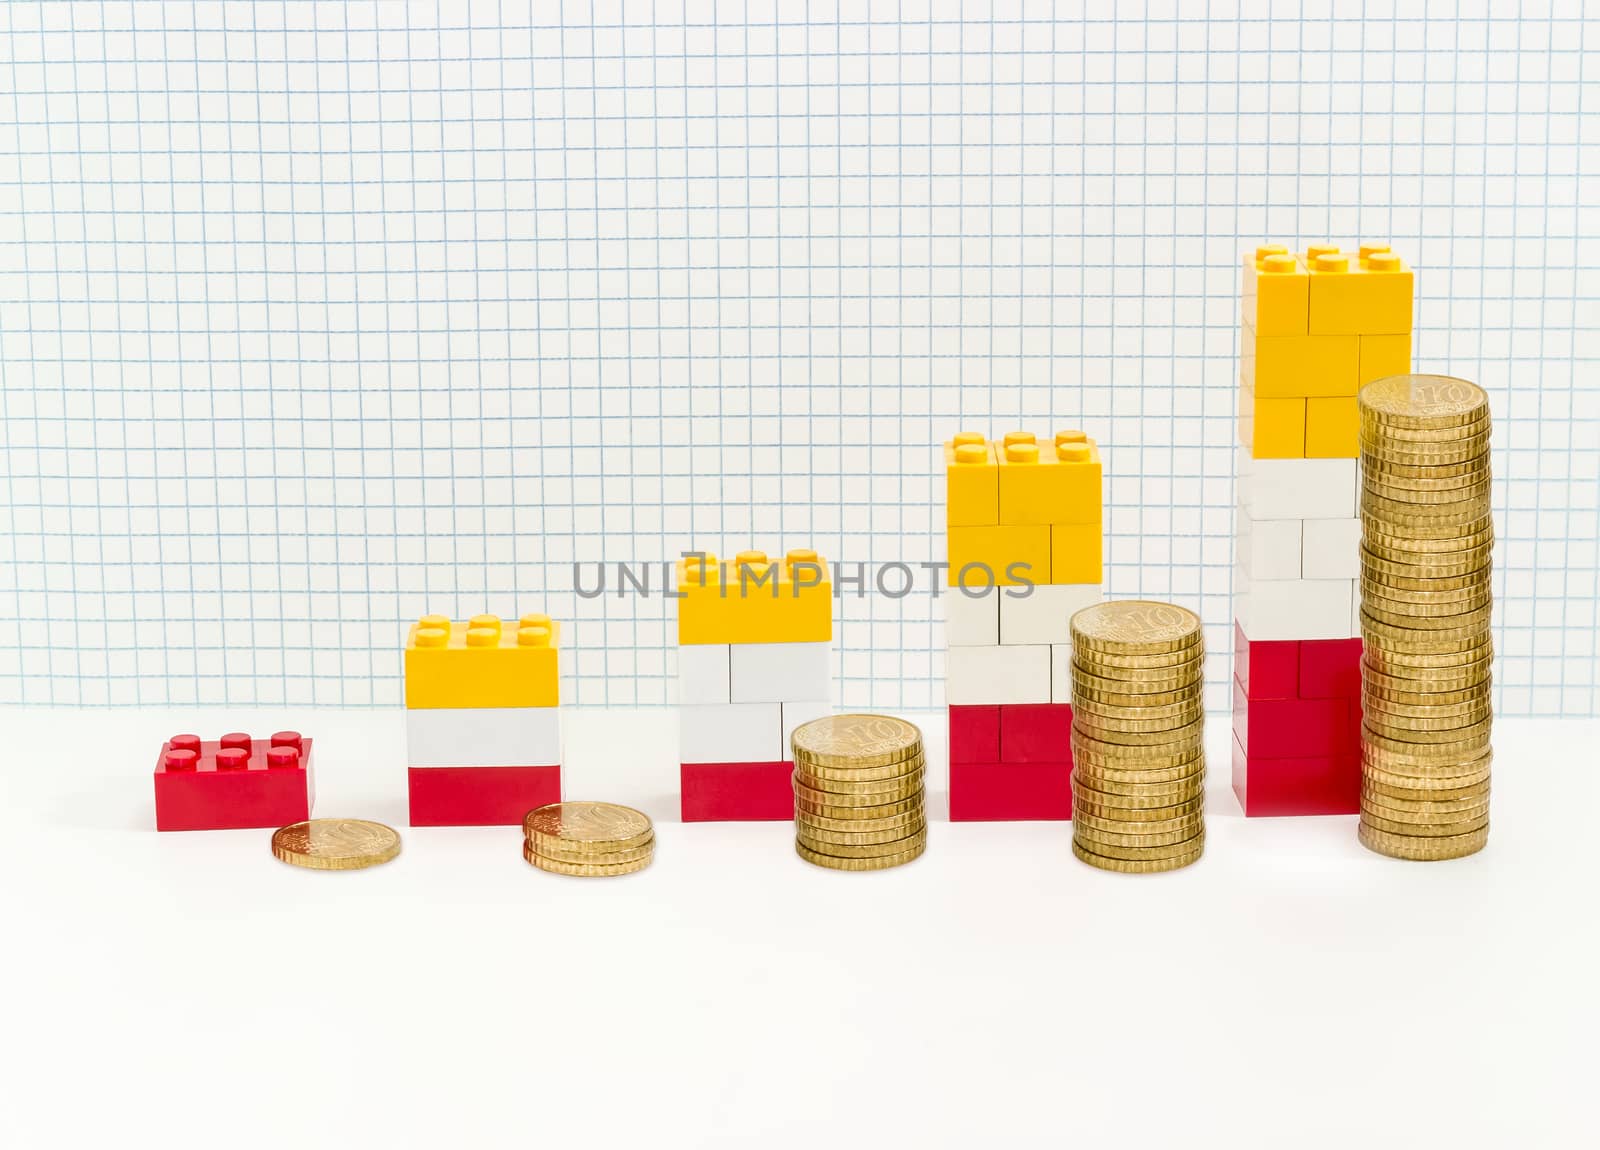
(315,317)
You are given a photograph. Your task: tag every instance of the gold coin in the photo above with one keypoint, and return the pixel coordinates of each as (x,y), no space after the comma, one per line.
(1456,801)
(1471,453)
(566,854)
(1407,603)
(825,840)
(862,850)
(1136,827)
(1139,680)
(1138,866)
(1380,817)
(1122,701)
(899,822)
(1420,550)
(1111,850)
(855,741)
(1423,401)
(1108,778)
(853,806)
(1404,517)
(1442,787)
(1422,635)
(1134,627)
(1474,560)
(879,862)
(1137,808)
(890,782)
(1392,714)
(1111,665)
(1403,482)
(584,870)
(579,826)
(335,844)
(1185,708)
(1423,849)
(1461,659)
(1425,692)
(1406,577)
(1389,469)
(1133,728)
(1463,740)
(1098,840)
(1095,754)
(1425,445)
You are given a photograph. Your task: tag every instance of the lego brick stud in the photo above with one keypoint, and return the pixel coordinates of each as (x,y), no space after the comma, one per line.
(283,758)
(181,759)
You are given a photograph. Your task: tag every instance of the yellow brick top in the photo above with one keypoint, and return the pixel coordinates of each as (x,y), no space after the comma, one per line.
(482,632)
(755,569)
(753,598)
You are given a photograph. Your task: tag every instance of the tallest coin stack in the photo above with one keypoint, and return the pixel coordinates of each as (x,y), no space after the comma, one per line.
(1425,604)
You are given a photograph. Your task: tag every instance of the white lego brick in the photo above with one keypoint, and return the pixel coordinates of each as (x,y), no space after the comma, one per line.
(1296,488)
(971,621)
(1331,549)
(797,714)
(1061,672)
(977,676)
(1295,609)
(703,675)
(483,736)
(773,672)
(1044,614)
(730,733)
(1268,548)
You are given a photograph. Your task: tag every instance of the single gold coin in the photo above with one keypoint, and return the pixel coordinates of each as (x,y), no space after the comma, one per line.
(1162,749)
(1448,481)
(880,862)
(1436,848)
(1184,708)
(1425,802)
(1112,665)
(1420,566)
(583,826)
(564,854)
(1143,701)
(1139,680)
(1419,634)
(1134,627)
(1420,787)
(1113,804)
(1391,470)
(1464,741)
(1111,850)
(1423,401)
(825,840)
(335,844)
(1457,660)
(1380,817)
(1137,827)
(1419,579)
(1387,691)
(900,822)
(1096,839)
(811,802)
(866,781)
(861,850)
(855,741)
(1138,866)
(584,870)
(1108,778)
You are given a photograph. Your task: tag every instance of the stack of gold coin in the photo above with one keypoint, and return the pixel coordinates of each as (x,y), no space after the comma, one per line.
(1425,602)
(1138,766)
(588,839)
(858,792)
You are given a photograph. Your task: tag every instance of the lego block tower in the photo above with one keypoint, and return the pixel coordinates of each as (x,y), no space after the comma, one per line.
(483,721)
(1024,548)
(1315,327)
(755,643)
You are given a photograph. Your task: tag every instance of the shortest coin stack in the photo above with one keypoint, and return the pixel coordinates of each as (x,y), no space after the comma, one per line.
(1138,777)
(588,839)
(858,792)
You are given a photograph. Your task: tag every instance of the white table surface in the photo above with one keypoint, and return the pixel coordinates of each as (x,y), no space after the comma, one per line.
(1290,990)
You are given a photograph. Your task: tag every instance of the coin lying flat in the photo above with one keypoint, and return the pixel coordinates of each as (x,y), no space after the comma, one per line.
(860,802)
(335,844)
(588,839)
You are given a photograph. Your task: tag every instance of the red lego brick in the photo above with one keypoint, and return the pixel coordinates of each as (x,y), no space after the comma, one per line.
(974,734)
(1330,669)
(1269,669)
(1010,792)
(737,792)
(1036,733)
(479,796)
(1328,785)
(232,783)
(1291,728)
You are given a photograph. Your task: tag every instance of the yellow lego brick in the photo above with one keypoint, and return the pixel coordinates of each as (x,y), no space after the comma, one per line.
(1075,553)
(1281,366)
(1356,296)
(1272,428)
(751,599)
(981,556)
(1384,355)
(1056,482)
(482,663)
(972,488)
(1332,428)
(1274,294)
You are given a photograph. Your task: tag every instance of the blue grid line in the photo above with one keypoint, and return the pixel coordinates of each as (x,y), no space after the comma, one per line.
(313,317)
